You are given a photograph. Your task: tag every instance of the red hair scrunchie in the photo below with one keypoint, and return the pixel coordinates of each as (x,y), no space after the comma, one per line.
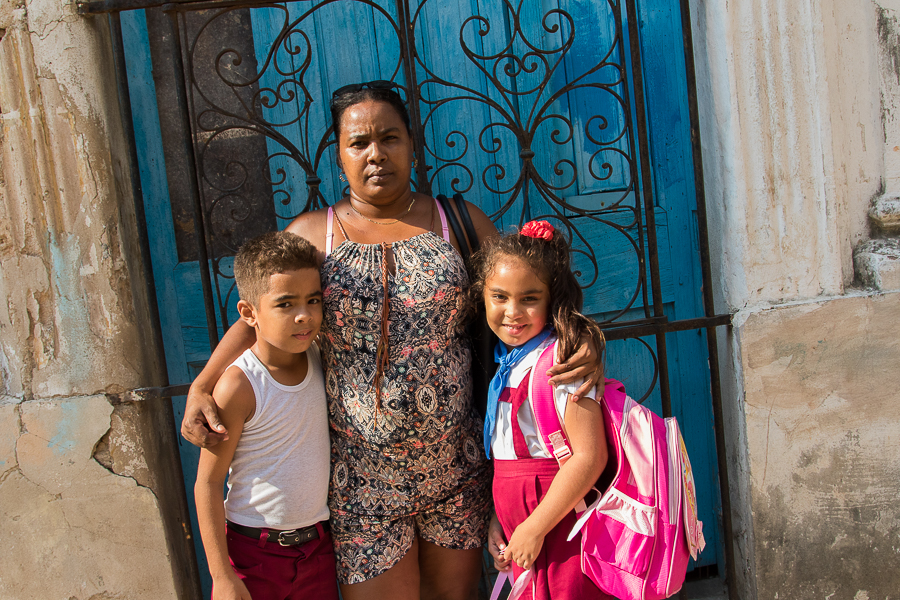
(538,229)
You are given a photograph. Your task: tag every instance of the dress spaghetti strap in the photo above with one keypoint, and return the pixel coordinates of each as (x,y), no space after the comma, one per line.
(329,231)
(329,227)
(444,230)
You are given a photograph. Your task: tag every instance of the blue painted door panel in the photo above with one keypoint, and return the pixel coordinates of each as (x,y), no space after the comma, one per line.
(180,330)
(473,147)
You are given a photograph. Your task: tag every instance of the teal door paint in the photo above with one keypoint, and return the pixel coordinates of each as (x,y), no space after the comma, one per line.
(486,118)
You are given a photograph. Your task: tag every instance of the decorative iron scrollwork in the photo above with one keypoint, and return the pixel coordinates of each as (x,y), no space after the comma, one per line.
(526,111)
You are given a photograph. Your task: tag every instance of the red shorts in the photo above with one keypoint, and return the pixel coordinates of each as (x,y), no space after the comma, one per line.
(275,572)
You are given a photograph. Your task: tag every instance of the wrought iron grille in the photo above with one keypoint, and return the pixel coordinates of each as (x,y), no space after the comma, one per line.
(257,150)
(555,137)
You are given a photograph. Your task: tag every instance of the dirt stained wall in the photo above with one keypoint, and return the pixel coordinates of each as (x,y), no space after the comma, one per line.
(823,432)
(90,505)
(798,137)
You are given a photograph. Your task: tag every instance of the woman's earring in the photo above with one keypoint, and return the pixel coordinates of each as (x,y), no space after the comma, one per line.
(415,163)
(342,177)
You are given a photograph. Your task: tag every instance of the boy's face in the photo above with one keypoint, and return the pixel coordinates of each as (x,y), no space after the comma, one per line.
(288,316)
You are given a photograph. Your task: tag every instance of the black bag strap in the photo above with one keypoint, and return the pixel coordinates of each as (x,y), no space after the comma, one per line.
(454,225)
(466,221)
(483,339)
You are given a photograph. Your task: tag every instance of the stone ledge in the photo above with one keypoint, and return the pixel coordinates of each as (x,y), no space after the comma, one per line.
(885,214)
(877,263)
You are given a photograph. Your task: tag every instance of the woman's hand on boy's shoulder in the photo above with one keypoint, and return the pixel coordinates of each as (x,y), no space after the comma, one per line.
(201,425)
(232,400)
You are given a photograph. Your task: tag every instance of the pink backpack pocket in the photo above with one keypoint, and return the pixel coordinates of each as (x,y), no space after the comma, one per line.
(623,539)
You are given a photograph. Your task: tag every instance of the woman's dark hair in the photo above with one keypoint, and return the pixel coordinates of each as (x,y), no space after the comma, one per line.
(341,102)
(550,261)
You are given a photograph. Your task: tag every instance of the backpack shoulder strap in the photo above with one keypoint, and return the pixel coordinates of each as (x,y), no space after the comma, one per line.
(549,425)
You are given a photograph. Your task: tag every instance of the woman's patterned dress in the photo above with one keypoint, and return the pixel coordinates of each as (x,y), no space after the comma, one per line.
(422,444)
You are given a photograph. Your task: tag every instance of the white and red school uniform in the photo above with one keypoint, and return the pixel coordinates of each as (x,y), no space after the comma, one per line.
(523,472)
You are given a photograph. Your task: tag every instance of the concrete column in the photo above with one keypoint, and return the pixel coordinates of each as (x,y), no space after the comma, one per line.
(90,498)
(794,152)
(878,260)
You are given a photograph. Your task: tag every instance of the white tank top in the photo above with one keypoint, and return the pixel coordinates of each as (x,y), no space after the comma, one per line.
(279,474)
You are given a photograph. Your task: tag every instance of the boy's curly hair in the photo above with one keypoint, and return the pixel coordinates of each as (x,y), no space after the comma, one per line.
(551,262)
(266,255)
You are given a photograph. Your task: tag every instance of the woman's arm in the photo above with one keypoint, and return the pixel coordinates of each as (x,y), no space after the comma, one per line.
(584,426)
(484,227)
(586,363)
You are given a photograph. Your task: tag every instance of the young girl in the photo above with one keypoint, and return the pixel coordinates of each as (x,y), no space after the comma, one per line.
(532,299)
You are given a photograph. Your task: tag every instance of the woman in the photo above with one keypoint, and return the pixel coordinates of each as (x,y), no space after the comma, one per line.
(410,497)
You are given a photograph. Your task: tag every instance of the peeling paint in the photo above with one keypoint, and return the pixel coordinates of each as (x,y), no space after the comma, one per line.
(72,504)
(70,328)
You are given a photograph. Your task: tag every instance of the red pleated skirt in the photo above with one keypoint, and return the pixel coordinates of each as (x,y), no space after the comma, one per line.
(519,485)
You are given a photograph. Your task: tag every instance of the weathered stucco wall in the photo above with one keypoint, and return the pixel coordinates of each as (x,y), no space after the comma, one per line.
(823,435)
(792,140)
(797,142)
(89,505)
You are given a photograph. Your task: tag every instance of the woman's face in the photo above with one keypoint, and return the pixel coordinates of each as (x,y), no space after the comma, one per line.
(375,152)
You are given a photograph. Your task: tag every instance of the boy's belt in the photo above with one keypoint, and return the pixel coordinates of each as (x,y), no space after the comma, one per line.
(291,537)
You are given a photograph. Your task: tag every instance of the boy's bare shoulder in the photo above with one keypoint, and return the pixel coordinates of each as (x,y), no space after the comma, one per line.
(234,394)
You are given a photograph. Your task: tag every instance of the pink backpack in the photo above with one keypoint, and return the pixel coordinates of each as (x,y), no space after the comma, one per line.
(637,536)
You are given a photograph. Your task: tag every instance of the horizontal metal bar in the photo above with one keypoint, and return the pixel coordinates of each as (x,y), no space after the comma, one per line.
(632,330)
(150,393)
(108,6)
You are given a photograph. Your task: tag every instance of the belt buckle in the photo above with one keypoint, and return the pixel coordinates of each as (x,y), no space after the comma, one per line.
(295,537)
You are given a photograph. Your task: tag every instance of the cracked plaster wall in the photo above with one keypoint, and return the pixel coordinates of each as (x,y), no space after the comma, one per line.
(796,144)
(823,436)
(89,491)
(73,529)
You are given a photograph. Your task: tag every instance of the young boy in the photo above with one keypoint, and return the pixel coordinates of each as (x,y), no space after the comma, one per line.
(273,526)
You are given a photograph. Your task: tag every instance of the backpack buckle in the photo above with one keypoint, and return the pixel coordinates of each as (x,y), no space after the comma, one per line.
(561,450)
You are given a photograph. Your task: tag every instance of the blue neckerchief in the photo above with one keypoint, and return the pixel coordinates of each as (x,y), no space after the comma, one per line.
(506,359)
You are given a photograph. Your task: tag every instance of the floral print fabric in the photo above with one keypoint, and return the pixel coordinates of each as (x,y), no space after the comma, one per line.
(422,446)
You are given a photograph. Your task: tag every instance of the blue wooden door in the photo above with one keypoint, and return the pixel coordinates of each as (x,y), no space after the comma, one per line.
(526,108)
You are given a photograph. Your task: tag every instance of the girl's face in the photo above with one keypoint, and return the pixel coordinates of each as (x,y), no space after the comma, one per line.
(516,301)
(376,152)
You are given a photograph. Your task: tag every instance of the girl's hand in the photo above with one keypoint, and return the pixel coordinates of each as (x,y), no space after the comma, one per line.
(524,546)
(230,588)
(497,545)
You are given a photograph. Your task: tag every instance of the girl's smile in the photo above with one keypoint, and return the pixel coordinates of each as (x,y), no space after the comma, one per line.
(517,302)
